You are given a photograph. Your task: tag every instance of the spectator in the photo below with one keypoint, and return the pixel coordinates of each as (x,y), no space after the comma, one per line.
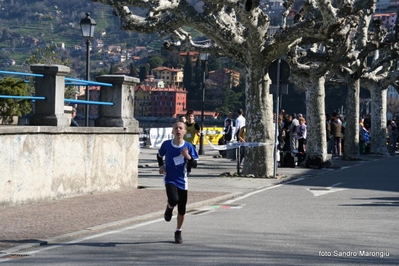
(241,138)
(229,116)
(343,123)
(336,132)
(73,121)
(228,131)
(286,128)
(240,122)
(301,134)
(328,133)
(281,133)
(393,137)
(293,132)
(362,140)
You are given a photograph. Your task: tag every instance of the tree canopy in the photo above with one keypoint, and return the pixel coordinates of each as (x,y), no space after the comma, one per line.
(13,107)
(242,31)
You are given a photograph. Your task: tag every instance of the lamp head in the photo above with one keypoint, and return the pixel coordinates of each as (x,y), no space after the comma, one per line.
(87,26)
(204,56)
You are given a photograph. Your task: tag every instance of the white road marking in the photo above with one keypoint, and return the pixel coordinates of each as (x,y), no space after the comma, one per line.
(53,245)
(260,190)
(319,191)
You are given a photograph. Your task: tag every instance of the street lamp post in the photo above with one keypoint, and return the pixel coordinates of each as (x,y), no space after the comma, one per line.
(204,60)
(87,26)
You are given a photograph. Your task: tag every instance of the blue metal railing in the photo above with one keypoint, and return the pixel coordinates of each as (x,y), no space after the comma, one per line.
(22,97)
(65,100)
(78,82)
(70,81)
(88,102)
(20,73)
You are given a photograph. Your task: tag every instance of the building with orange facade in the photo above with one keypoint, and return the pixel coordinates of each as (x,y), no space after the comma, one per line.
(159,102)
(168,102)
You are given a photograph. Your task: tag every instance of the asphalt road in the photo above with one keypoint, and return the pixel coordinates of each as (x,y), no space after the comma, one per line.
(345,217)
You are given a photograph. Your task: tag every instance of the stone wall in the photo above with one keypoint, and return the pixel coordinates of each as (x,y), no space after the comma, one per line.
(45,163)
(48,159)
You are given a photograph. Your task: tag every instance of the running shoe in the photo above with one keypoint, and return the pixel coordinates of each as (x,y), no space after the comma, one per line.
(178,238)
(168,214)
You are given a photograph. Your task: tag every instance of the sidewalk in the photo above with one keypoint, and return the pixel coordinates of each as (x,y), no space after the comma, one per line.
(62,220)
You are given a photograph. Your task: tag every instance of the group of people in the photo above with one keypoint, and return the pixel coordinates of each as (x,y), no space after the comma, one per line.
(238,134)
(292,135)
(292,132)
(181,156)
(391,135)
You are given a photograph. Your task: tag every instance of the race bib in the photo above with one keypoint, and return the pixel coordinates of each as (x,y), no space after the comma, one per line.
(178,159)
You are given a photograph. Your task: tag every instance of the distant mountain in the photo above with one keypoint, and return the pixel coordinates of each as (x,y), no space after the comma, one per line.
(26,25)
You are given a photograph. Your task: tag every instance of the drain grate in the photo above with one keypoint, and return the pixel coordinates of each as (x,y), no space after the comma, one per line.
(318,188)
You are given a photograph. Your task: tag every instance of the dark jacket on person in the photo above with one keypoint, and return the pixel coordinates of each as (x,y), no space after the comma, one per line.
(328,130)
(74,123)
(228,133)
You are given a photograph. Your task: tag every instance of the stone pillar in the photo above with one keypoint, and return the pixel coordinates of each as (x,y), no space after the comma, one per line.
(122,95)
(50,112)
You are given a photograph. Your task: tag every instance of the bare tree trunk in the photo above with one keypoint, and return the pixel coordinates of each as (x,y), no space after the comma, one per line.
(259,121)
(316,120)
(378,120)
(351,142)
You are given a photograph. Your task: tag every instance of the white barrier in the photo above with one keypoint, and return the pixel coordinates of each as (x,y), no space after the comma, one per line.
(159,135)
(234,145)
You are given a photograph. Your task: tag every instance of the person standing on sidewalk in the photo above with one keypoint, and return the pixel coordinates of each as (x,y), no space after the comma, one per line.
(293,132)
(179,155)
(240,122)
(228,131)
(336,132)
(229,116)
(393,136)
(192,128)
(241,138)
(301,134)
(73,121)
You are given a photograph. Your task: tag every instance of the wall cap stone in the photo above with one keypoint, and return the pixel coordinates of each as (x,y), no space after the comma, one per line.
(6,130)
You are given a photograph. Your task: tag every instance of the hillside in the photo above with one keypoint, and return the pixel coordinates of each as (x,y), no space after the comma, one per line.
(47,21)
(26,25)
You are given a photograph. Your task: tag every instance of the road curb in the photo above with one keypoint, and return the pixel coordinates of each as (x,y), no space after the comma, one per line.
(108,226)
